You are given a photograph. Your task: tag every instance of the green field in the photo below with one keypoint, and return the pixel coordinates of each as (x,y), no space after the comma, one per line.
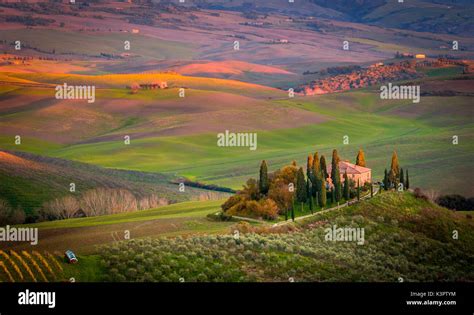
(191,209)
(420,133)
(29,180)
(448,71)
(423,141)
(84,234)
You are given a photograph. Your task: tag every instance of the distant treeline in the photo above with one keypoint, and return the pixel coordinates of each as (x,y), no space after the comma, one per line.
(335,70)
(445,93)
(452,201)
(456,202)
(213,187)
(29,20)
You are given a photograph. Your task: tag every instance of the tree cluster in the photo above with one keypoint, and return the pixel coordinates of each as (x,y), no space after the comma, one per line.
(396,177)
(291,188)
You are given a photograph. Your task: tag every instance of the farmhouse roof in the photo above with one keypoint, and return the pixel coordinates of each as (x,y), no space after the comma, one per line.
(345,166)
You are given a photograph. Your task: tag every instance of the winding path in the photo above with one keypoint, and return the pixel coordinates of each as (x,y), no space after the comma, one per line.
(376,190)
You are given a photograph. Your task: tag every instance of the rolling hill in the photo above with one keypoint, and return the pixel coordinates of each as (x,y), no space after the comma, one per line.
(405,239)
(175,137)
(85,234)
(170,77)
(443,16)
(28,180)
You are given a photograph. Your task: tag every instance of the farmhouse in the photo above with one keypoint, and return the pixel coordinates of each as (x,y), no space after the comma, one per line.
(354,173)
(154,85)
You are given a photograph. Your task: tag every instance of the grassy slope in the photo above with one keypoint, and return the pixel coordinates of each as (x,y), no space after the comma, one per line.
(404,238)
(173,80)
(28,180)
(421,133)
(83,43)
(83,234)
(407,15)
(179,210)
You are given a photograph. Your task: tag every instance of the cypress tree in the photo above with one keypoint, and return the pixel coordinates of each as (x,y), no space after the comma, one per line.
(309,166)
(334,164)
(316,175)
(333,195)
(263,183)
(392,179)
(335,156)
(407,181)
(316,199)
(301,195)
(360,159)
(385,180)
(323,196)
(402,179)
(371,190)
(347,195)
(395,166)
(316,164)
(339,191)
(293,213)
(336,176)
(315,172)
(323,166)
(358,190)
(309,195)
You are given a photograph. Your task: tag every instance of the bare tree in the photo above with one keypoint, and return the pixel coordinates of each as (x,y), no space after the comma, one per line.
(102,201)
(151,201)
(61,208)
(432,195)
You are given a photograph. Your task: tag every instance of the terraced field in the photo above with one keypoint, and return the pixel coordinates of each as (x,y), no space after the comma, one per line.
(31,266)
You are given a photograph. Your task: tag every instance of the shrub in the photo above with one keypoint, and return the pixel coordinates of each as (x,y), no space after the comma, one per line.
(456,202)
(10,215)
(231,202)
(418,193)
(265,208)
